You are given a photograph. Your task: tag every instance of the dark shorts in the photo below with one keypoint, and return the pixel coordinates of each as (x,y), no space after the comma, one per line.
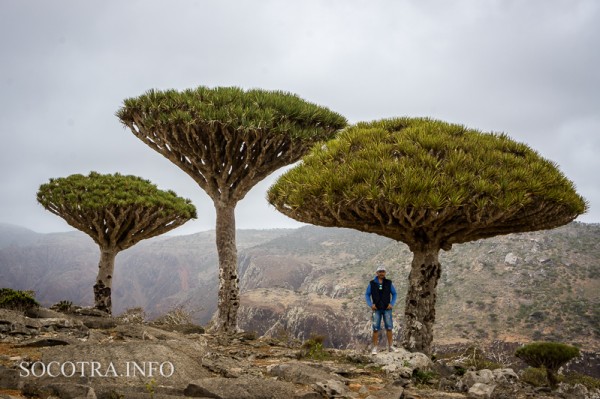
(386,315)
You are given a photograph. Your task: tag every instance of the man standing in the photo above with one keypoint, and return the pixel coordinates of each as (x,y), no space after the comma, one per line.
(381,298)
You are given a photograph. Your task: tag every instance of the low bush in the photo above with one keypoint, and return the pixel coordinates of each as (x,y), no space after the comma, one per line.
(534,376)
(313,348)
(549,355)
(585,380)
(17,300)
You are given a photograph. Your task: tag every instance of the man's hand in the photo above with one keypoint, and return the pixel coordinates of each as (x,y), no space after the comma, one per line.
(374,307)
(389,306)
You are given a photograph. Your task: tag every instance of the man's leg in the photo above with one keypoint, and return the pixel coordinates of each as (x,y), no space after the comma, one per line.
(389,337)
(376,327)
(389,326)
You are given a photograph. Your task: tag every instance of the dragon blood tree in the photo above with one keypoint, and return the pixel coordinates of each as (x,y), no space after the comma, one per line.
(117,211)
(227,140)
(429,184)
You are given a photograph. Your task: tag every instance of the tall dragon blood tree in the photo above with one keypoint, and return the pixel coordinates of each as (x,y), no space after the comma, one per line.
(428,184)
(228,139)
(117,212)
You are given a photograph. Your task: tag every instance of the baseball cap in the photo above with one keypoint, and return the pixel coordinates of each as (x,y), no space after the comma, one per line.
(380,268)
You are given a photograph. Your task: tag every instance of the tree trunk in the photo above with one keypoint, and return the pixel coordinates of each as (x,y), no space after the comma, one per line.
(552,379)
(229,300)
(420,300)
(103,286)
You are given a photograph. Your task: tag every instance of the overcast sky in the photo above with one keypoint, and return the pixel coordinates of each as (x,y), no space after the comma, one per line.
(530,69)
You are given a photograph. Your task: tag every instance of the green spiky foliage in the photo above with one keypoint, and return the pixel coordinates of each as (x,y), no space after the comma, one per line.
(548,355)
(116,211)
(429,184)
(228,139)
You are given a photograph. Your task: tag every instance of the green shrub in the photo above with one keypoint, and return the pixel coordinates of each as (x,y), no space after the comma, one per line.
(313,348)
(585,380)
(17,300)
(63,306)
(422,377)
(534,376)
(549,355)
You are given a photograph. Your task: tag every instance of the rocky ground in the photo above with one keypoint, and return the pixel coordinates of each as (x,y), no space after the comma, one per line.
(48,354)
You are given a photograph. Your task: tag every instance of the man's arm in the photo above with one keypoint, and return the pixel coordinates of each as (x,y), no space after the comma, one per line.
(368,296)
(394,295)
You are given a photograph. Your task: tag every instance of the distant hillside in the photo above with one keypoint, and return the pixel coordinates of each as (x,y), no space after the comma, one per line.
(157,274)
(533,286)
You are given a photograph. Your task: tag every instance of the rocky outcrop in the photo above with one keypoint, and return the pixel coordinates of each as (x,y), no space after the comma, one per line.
(139,360)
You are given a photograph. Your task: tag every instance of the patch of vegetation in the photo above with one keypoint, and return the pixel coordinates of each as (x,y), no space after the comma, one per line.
(313,348)
(135,315)
(585,380)
(476,358)
(422,377)
(534,376)
(175,317)
(549,355)
(63,306)
(17,300)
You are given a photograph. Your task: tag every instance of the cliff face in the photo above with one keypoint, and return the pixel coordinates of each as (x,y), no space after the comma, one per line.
(311,281)
(534,286)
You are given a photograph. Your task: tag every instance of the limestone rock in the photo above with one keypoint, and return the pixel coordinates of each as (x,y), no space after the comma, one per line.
(476,377)
(481,391)
(301,373)
(330,388)
(404,358)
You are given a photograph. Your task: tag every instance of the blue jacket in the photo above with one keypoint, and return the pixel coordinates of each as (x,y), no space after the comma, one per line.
(368,293)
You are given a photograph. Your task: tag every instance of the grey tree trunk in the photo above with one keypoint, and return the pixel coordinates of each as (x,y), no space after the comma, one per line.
(103,286)
(419,314)
(229,300)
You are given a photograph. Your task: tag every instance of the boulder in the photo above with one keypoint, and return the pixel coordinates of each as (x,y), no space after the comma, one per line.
(471,378)
(301,373)
(404,358)
(330,388)
(481,391)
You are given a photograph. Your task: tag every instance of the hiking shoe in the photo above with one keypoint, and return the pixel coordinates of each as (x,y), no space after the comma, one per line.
(392,349)
(374,351)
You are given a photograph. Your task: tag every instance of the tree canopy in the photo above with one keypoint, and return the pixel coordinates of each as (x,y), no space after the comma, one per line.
(115,210)
(424,181)
(227,138)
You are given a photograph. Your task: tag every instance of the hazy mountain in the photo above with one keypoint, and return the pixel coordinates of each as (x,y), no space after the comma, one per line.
(542,285)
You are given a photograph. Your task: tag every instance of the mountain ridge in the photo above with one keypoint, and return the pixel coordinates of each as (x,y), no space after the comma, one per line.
(521,287)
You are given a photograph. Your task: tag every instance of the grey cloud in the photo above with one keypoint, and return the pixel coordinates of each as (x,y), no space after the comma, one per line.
(525,68)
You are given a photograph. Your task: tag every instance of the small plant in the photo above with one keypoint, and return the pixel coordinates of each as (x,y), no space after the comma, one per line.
(17,300)
(175,317)
(422,377)
(534,376)
(549,355)
(314,349)
(151,387)
(63,306)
